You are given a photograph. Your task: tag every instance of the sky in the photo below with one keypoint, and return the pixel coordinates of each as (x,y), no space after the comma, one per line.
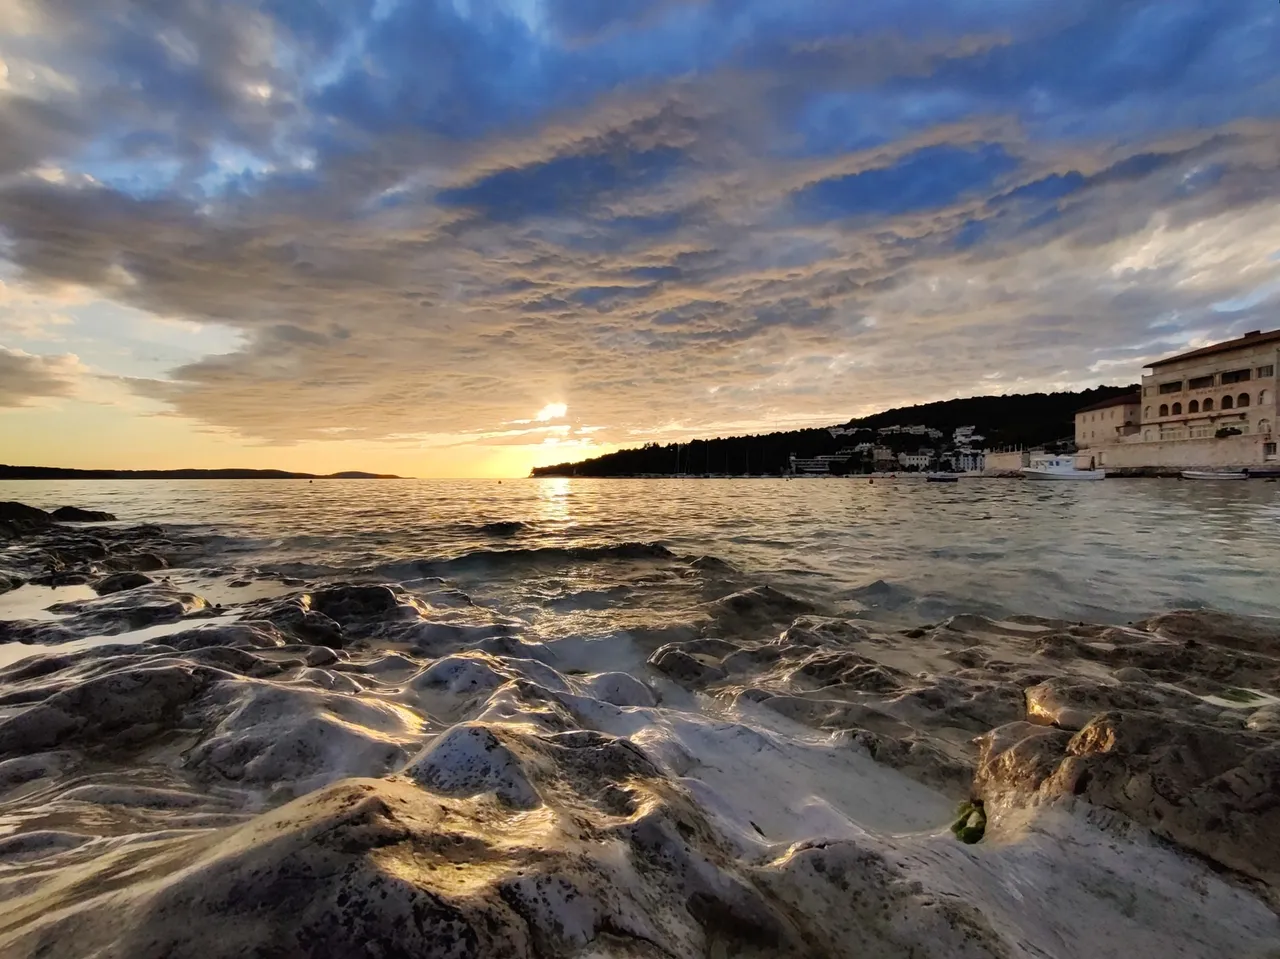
(464,238)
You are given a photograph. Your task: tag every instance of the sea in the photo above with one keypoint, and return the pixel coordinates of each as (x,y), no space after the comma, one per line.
(899,550)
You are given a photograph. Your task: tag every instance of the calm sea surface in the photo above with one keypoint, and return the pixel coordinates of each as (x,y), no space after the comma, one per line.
(899,550)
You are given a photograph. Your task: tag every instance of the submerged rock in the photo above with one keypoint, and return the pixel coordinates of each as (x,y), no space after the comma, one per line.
(118,582)
(74,514)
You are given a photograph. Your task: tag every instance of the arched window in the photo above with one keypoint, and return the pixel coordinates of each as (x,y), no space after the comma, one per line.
(1242,400)
(1193,406)
(1228,403)
(1263,397)
(1146,413)
(1147,436)
(1164,409)
(1177,409)
(1208,405)
(1264,426)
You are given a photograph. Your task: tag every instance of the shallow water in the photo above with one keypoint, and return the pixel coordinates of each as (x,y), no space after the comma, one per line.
(902,550)
(627,719)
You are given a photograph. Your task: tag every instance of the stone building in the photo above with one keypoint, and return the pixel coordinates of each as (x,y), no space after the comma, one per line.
(1211,407)
(1109,422)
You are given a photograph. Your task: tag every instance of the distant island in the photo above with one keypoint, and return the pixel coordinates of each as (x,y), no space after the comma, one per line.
(58,473)
(1016,420)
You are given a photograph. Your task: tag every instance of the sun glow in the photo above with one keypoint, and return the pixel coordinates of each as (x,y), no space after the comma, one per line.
(552,411)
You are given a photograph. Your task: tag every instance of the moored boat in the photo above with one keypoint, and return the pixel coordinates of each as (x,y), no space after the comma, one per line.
(1059,468)
(1214,474)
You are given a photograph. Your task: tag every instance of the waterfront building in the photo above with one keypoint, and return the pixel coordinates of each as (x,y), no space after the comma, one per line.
(1108,422)
(1212,407)
(969,461)
(1227,386)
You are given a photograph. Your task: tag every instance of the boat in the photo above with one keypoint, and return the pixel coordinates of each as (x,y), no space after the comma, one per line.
(1214,474)
(1059,468)
(942,478)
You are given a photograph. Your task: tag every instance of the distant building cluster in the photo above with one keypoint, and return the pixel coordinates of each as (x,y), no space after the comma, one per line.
(962,454)
(1210,407)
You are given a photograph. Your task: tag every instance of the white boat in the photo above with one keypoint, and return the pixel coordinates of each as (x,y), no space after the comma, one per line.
(1214,475)
(1059,468)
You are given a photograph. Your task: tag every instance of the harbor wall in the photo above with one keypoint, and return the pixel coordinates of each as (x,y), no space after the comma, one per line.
(1231,451)
(1004,462)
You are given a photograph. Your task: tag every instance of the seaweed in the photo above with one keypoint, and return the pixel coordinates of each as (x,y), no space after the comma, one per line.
(971,822)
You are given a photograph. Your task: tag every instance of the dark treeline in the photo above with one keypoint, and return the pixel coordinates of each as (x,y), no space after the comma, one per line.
(1020,419)
(1027,420)
(56,472)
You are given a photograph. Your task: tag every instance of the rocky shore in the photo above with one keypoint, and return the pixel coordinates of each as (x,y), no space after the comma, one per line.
(393,769)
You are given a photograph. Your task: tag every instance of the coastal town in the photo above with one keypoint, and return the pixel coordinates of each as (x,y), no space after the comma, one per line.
(1211,408)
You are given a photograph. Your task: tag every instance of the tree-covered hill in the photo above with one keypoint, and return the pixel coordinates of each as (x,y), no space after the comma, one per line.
(1020,419)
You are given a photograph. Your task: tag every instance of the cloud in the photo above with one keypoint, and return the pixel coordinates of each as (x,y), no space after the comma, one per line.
(24,377)
(434,218)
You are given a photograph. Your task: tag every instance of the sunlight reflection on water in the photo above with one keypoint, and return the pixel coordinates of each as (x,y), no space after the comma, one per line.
(1108,551)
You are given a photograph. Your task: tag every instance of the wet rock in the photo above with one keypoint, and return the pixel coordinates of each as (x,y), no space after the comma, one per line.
(24,769)
(1212,790)
(1208,789)
(1221,629)
(502,528)
(712,564)
(470,759)
(685,668)
(960,702)
(1265,720)
(345,603)
(245,635)
(118,582)
(61,577)
(296,619)
(129,704)
(752,659)
(1017,757)
(872,909)
(620,689)
(74,514)
(386,868)
(294,738)
(824,631)
(755,609)
(1071,703)
(10,581)
(135,608)
(18,519)
(39,844)
(919,759)
(461,675)
(142,562)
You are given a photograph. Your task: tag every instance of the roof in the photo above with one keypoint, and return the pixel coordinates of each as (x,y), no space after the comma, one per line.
(1252,339)
(1125,399)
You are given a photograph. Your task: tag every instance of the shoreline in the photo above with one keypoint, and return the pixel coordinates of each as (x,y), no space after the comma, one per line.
(764,780)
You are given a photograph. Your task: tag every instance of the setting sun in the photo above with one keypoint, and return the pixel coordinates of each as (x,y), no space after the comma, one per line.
(552,411)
